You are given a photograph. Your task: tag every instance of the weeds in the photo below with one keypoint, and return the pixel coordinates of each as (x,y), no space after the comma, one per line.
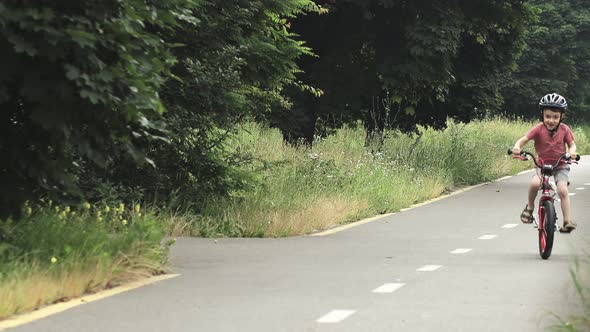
(54,252)
(291,183)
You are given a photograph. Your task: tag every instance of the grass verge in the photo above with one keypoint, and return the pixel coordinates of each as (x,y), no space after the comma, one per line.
(52,254)
(297,190)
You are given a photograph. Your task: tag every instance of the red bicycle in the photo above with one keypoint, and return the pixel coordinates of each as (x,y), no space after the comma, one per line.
(546,205)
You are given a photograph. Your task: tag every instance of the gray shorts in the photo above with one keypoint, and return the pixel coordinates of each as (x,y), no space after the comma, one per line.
(561,174)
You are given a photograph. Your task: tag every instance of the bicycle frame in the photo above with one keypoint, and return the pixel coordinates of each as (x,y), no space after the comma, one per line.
(546,173)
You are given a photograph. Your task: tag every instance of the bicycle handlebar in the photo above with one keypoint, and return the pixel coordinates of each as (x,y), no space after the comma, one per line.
(566,156)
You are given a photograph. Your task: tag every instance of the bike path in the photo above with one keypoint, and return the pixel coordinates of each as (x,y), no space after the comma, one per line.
(327,283)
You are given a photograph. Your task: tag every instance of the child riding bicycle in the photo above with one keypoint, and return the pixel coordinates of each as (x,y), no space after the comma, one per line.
(551,137)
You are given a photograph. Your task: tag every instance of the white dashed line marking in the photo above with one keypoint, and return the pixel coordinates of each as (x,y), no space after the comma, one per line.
(587,184)
(487,237)
(580,188)
(509,225)
(461,251)
(429,268)
(572,194)
(335,316)
(388,288)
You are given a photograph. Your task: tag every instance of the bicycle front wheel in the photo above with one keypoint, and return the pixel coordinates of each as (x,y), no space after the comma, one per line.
(547,230)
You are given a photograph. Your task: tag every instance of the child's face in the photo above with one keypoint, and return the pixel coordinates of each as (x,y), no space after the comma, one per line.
(551,118)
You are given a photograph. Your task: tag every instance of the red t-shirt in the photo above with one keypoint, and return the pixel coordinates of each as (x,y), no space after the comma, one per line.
(547,147)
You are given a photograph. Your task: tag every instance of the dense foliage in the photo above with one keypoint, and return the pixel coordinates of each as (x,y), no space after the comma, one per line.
(557,59)
(233,63)
(398,63)
(135,100)
(84,86)
(79,83)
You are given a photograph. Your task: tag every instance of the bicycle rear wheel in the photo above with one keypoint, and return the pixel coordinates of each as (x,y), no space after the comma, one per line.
(548,229)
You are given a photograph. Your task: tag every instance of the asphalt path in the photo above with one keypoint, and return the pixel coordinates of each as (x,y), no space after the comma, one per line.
(463,263)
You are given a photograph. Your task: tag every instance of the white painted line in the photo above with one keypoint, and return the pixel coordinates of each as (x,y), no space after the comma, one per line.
(587,184)
(509,225)
(461,251)
(572,194)
(580,188)
(335,316)
(388,288)
(524,172)
(429,268)
(487,237)
(504,178)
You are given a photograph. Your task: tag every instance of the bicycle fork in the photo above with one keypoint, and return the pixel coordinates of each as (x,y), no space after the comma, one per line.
(536,224)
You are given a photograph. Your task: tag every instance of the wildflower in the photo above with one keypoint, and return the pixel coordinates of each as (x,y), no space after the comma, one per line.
(99,218)
(98,214)
(121,207)
(139,214)
(137,208)
(53,260)
(107,209)
(67,209)
(124,222)
(87,206)
(29,211)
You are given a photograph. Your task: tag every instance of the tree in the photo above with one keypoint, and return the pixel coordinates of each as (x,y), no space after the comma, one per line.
(234,62)
(557,59)
(79,83)
(406,57)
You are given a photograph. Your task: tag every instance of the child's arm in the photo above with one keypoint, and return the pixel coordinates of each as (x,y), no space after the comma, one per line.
(572,149)
(520,143)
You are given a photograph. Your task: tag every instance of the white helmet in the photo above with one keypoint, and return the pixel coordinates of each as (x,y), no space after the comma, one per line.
(553,100)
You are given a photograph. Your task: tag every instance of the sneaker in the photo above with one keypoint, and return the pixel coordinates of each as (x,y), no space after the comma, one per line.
(527,215)
(568,226)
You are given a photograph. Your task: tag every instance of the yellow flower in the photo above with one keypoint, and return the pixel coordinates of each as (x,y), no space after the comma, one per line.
(137,208)
(124,221)
(121,207)
(98,214)
(107,209)
(67,209)
(139,215)
(53,260)
(29,211)
(99,218)
(87,206)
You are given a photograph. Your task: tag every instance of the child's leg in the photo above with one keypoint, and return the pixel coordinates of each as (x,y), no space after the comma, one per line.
(533,190)
(561,179)
(565,199)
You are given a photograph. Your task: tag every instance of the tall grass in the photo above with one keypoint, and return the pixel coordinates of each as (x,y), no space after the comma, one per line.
(55,253)
(299,190)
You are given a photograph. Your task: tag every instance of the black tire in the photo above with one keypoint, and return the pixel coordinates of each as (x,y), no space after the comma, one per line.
(546,236)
